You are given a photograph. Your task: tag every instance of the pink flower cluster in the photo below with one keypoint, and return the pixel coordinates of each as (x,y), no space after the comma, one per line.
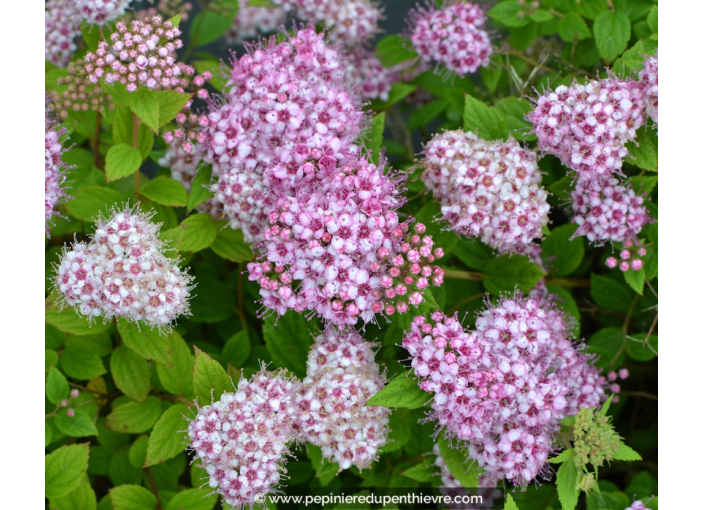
(490,190)
(371,79)
(345,245)
(282,102)
(628,257)
(100,12)
(251,21)
(607,210)
(588,126)
(241,439)
(123,272)
(503,388)
(453,35)
(637,505)
(649,81)
(142,54)
(342,375)
(54,169)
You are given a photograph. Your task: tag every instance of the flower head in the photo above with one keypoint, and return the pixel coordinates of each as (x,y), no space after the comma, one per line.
(649,80)
(251,21)
(54,169)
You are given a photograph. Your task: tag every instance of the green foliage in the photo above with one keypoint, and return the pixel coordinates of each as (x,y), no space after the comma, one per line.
(134,417)
(64,469)
(166,440)
(508,272)
(230,245)
(122,161)
(197,232)
(401,392)
(612,30)
(148,342)
(562,253)
(483,120)
(91,201)
(165,191)
(210,380)
(288,339)
(131,373)
(199,192)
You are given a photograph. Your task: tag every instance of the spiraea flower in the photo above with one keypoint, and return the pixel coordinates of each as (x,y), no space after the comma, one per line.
(630,257)
(100,12)
(502,389)
(62,23)
(342,375)
(588,126)
(54,169)
(241,439)
(490,190)
(608,211)
(340,250)
(80,94)
(453,35)
(372,80)
(649,81)
(283,103)
(141,53)
(252,21)
(123,272)
(637,505)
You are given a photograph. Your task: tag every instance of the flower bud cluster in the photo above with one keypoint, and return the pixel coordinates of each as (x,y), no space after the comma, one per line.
(241,439)
(251,21)
(595,440)
(608,210)
(342,240)
(143,53)
(630,257)
(503,388)
(54,169)
(80,94)
(490,190)
(649,81)
(342,375)
(453,35)
(123,272)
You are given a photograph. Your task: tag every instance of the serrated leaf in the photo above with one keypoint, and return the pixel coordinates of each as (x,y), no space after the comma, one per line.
(210,380)
(376,135)
(80,498)
(571,26)
(426,113)
(167,439)
(562,188)
(131,373)
(230,245)
(609,294)
(90,201)
(69,321)
(507,14)
(144,104)
(564,456)
(237,349)
(197,232)
(145,341)
(612,30)
(652,19)
(607,343)
(64,469)
(401,392)
(398,92)
(208,26)
(400,426)
(288,339)
(643,153)
(505,273)
(121,161)
(132,497)
(80,363)
(134,417)
(51,359)
(513,111)
(170,103)
(510,503)
(394,49)
(420,473)
(193,499)
(567,490)
(562,254)
(178,378)
(474,253)
(78,425)
(166,191)
(624,452)
(120,469)
(56,386)
(199,192)
(460,464)
(638,350)
(325,471)
(635,279)
(483,120)
(138,451)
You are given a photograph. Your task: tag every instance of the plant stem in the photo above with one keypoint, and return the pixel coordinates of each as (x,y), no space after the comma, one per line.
(135,145)
(155,489)
(463,275)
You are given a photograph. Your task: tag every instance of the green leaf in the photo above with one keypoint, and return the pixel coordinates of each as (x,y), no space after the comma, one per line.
(210,380)
(80,498)
(376,135)
(420,473)
(121,161)
(288,339)
(609,294)
(426,113)
(612,30)
(237,349)
(214,301)
(170,104)
(69,321)
(638,350)
(590,9)
(541,15)
(197,232)
(514,111)
(491,75)
(131,373)
(56,386)
(567,490)
(401,392)
(51,359)
(571,26)
(78,425)
(80,363)
(145,105)
(510,503)
(398,92)
(167,439)
(565,302)
(624,452)
(564,456)
(178,379)
(460,464)
(474,253)
(505,273)
(132,497)
(230,245)
(193,499)
(485,121)
(134,417)
(121,470)
(64,469)
(642,153)
(431,217)
(522,37)
(507,13)
(122,131)
(118,91)
(166,191)
(145,341)
(138,451)
(325,471)
(636,280)
(562,255)
(653,19)
(607,344)
(90,201)
(400,425)
(208,26)
(634,57)
(394,49)
(562,188)
(199,192)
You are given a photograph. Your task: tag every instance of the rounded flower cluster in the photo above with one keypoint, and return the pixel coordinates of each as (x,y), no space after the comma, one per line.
(168,9)
(490,190)
(123,272)
(588,126)
(649,81)
(80,94)
(283,103)
(345,245)
(371,79)
(637,505)
(595,440)
(629,257)
(608,210)
(100,12)
(503,388)
(342,375)
(142,54)
(251,21)
(241,439)
(54,169)
(453,35)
